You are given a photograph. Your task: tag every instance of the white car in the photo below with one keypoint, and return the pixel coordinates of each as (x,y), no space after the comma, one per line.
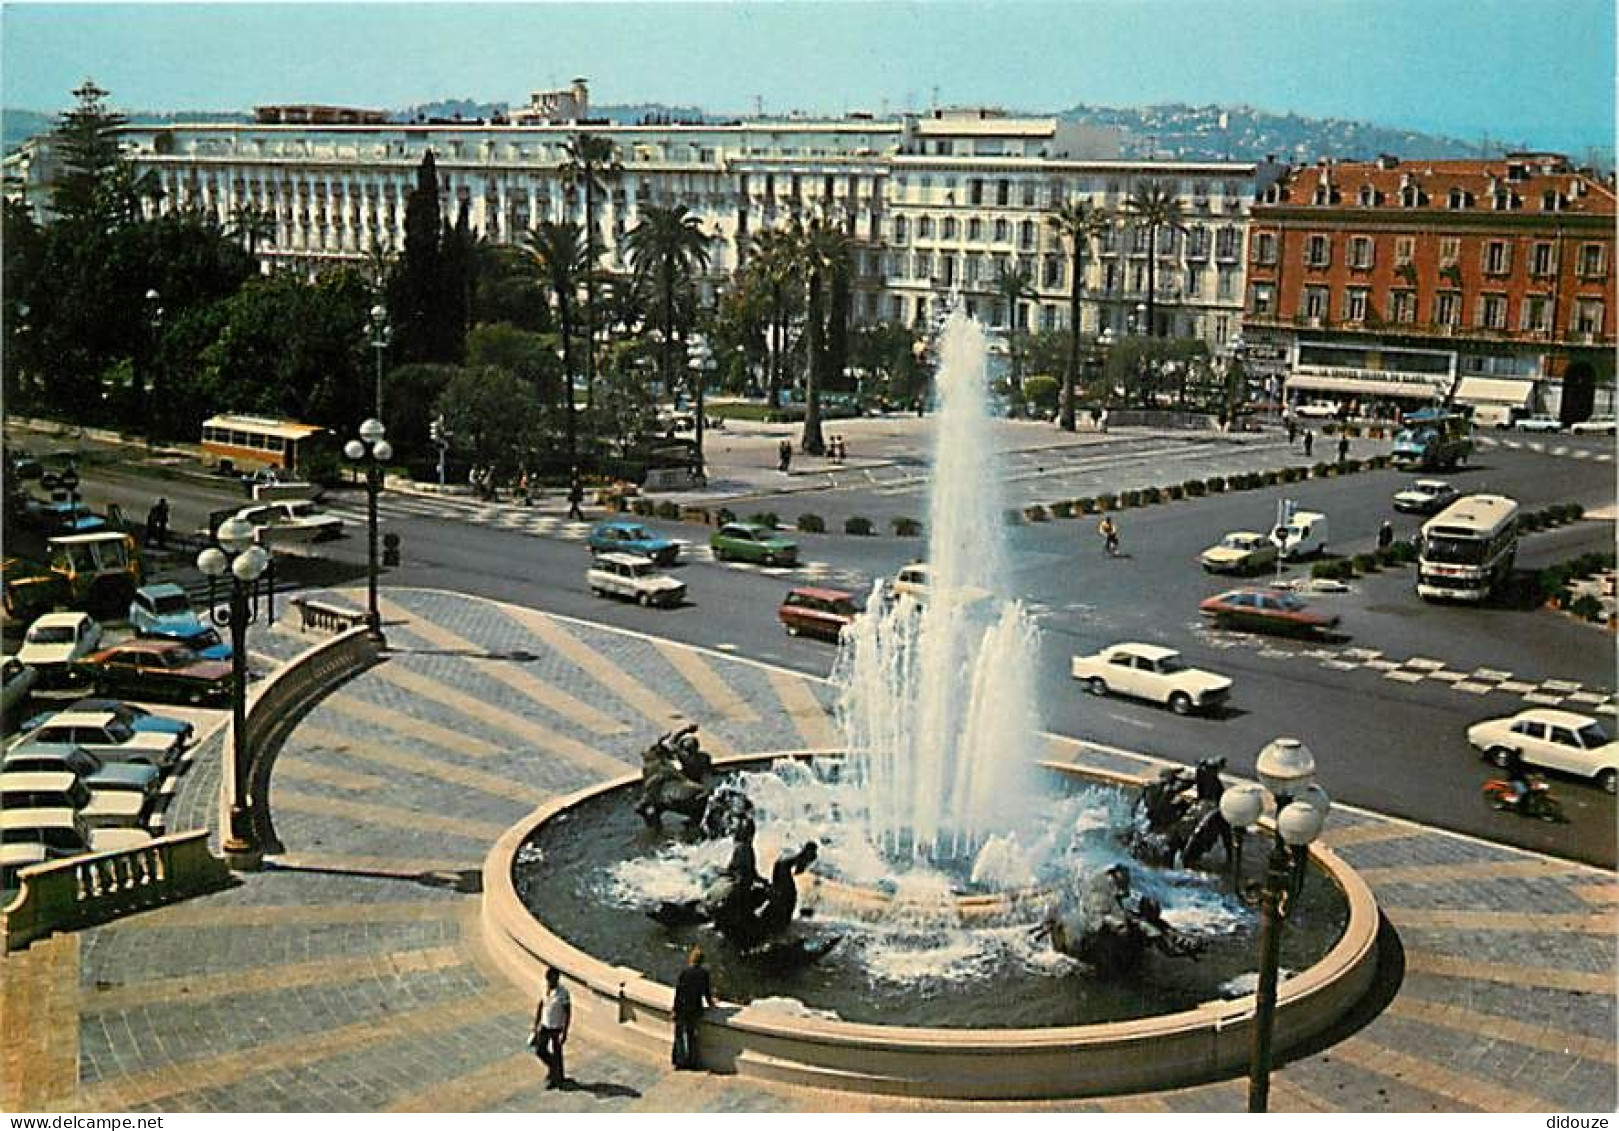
(1540,424)
(55,641)
(290,523)
(1595,426)
(1557,740)
(1426,496)
(1147,671)
(914,581)
(634,578)
(1241,551)
(106,736)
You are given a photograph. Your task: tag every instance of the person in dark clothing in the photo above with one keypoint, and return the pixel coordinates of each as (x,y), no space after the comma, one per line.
(157,523)
(576,495)
(1518,775)
(784,456)
(1385,535)
(1292,431)
(694,992)
(1309,442)
(1343,448)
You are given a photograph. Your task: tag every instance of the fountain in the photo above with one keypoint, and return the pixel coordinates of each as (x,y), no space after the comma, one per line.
(957,898)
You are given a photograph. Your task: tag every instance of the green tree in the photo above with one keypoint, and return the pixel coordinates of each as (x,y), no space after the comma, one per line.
(771,262)
(492,414)
(589,163)
(251,225)
(667,249)
(1013,288)
(824,255)
(86,140)
(416,305)
(1153,206)
(507,290)
(529,356)
(558,251)
(1079,222)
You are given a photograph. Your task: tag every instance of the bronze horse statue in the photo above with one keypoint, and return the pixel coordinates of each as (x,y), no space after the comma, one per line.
(673,773)
(1178,817)
(1109,931)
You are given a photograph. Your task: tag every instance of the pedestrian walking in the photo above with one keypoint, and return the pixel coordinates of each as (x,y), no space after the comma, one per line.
(576,495)
(1292,431)
(1343,448)
(1103,421)
(1385,535)
(694,992)
(1309,442)
(157,523)
(784,455)
(551,1021)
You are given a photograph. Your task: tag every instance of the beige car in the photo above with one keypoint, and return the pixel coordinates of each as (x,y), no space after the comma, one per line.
(914,581)
(1241,551)
(1147,671)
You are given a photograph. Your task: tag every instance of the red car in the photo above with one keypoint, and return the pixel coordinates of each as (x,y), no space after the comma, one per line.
(817,612)
(156,669)
(1262,610)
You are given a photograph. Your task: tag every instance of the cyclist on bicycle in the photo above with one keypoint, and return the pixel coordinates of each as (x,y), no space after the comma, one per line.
(1110,535)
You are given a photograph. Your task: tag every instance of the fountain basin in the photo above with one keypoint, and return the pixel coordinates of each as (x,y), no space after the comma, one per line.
(621,1003)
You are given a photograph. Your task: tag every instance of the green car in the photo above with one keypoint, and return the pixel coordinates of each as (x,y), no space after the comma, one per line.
(751,542)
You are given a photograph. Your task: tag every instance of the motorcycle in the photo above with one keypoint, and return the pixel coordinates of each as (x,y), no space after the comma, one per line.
(1538,802)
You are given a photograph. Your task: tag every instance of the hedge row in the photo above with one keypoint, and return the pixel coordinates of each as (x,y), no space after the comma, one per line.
(805,523)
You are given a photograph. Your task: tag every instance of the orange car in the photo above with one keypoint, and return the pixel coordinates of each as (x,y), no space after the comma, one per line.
(817,612)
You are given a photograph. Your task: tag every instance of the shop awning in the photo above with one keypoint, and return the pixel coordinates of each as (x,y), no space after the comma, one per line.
(1495,390)
(1407,387)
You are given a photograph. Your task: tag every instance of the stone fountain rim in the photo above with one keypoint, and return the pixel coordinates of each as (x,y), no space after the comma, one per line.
(1306,1003)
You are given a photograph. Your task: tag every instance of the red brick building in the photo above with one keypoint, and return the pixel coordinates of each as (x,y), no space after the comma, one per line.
(1492,281)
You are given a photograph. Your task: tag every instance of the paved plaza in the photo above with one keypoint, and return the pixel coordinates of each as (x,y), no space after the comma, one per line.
(350,976)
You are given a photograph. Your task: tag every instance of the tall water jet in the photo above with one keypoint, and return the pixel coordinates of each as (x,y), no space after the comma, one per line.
(937,697)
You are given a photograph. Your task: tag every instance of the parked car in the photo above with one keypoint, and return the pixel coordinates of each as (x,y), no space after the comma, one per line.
(1303,534)
(1317,410)
(1540,424)
(56,517)
(1595,426)
(752,542)
(1426,496)
(1147,671)
(57,641)
(103,809)
(157,669)
(104,735)
(634,578)
(1261,610)
(59,832)
(290,523)
(1558,740)
(624,537)
(19,681)
(1241,551)
(164,612)
(130,714)
(822,613)
(135,777)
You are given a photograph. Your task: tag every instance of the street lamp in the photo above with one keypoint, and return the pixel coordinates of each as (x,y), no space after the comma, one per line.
(245,561)
(380,333)
(375,452)
(700,360)
(154,322)
(1286,770)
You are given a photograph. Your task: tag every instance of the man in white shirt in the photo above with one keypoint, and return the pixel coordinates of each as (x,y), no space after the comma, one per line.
(551,1028)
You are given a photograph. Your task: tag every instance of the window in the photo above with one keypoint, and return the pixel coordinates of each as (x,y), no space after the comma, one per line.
(1003,193)
(1265,248)
(900,227)
(975,191)
(1497,257)
(1360,253)
(1261,298)
(1226,243)
(1028,194)
(1402,306)
(1588,315)
(1450,251)
(1356,302)
(948,228)
(1551,201)
(1492,312)
(1168,241)
(1318,252)
(1003,231)
(1593,260)
(1053,272)
(1458,199)
(1410,196)
(1405,248)
(1447,309)
(1542,259)
(1315,302)
(1138,241)
(975,229)
(971,275)
(1227,286)
(1537,313)
(1194,280)
(1025,234)
(1197,242)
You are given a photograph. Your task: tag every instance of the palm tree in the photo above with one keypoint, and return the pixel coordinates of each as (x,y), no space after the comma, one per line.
(252,225)
(559,253)
(667,247)
(772,258)
(589,162)
(825,255)
(1153,205)
(1079,222)
(1013,286)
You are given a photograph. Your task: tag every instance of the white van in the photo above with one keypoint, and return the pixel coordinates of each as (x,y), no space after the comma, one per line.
(1496,416)
(1303,534)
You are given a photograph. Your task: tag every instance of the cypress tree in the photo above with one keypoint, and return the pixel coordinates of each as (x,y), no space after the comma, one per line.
(87,140)
(415,296)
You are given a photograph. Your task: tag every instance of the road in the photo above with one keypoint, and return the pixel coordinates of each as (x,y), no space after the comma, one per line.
(1387,734)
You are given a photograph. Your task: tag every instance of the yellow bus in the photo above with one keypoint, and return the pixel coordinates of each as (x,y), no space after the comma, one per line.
(260,440)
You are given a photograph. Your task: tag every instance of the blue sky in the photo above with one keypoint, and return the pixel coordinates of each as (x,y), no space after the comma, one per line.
(1534,70)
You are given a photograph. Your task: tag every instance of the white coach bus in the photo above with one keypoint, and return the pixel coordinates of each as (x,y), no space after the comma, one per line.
(1467,548)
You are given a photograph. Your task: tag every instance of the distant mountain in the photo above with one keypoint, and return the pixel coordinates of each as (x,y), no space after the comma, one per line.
(1243,133)
(17,126)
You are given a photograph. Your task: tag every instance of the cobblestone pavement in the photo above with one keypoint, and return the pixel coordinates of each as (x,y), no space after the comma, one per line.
(347,978)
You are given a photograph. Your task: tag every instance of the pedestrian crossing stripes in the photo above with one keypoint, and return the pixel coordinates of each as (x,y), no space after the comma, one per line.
(1557,451)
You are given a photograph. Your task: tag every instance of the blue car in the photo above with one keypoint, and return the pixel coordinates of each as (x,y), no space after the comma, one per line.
(164,612)
(621,537)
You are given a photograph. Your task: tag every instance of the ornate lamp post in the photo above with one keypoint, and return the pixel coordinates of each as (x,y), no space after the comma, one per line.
(375,452)
(245,562)
(1286,770)
(378,336)
(700,360)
